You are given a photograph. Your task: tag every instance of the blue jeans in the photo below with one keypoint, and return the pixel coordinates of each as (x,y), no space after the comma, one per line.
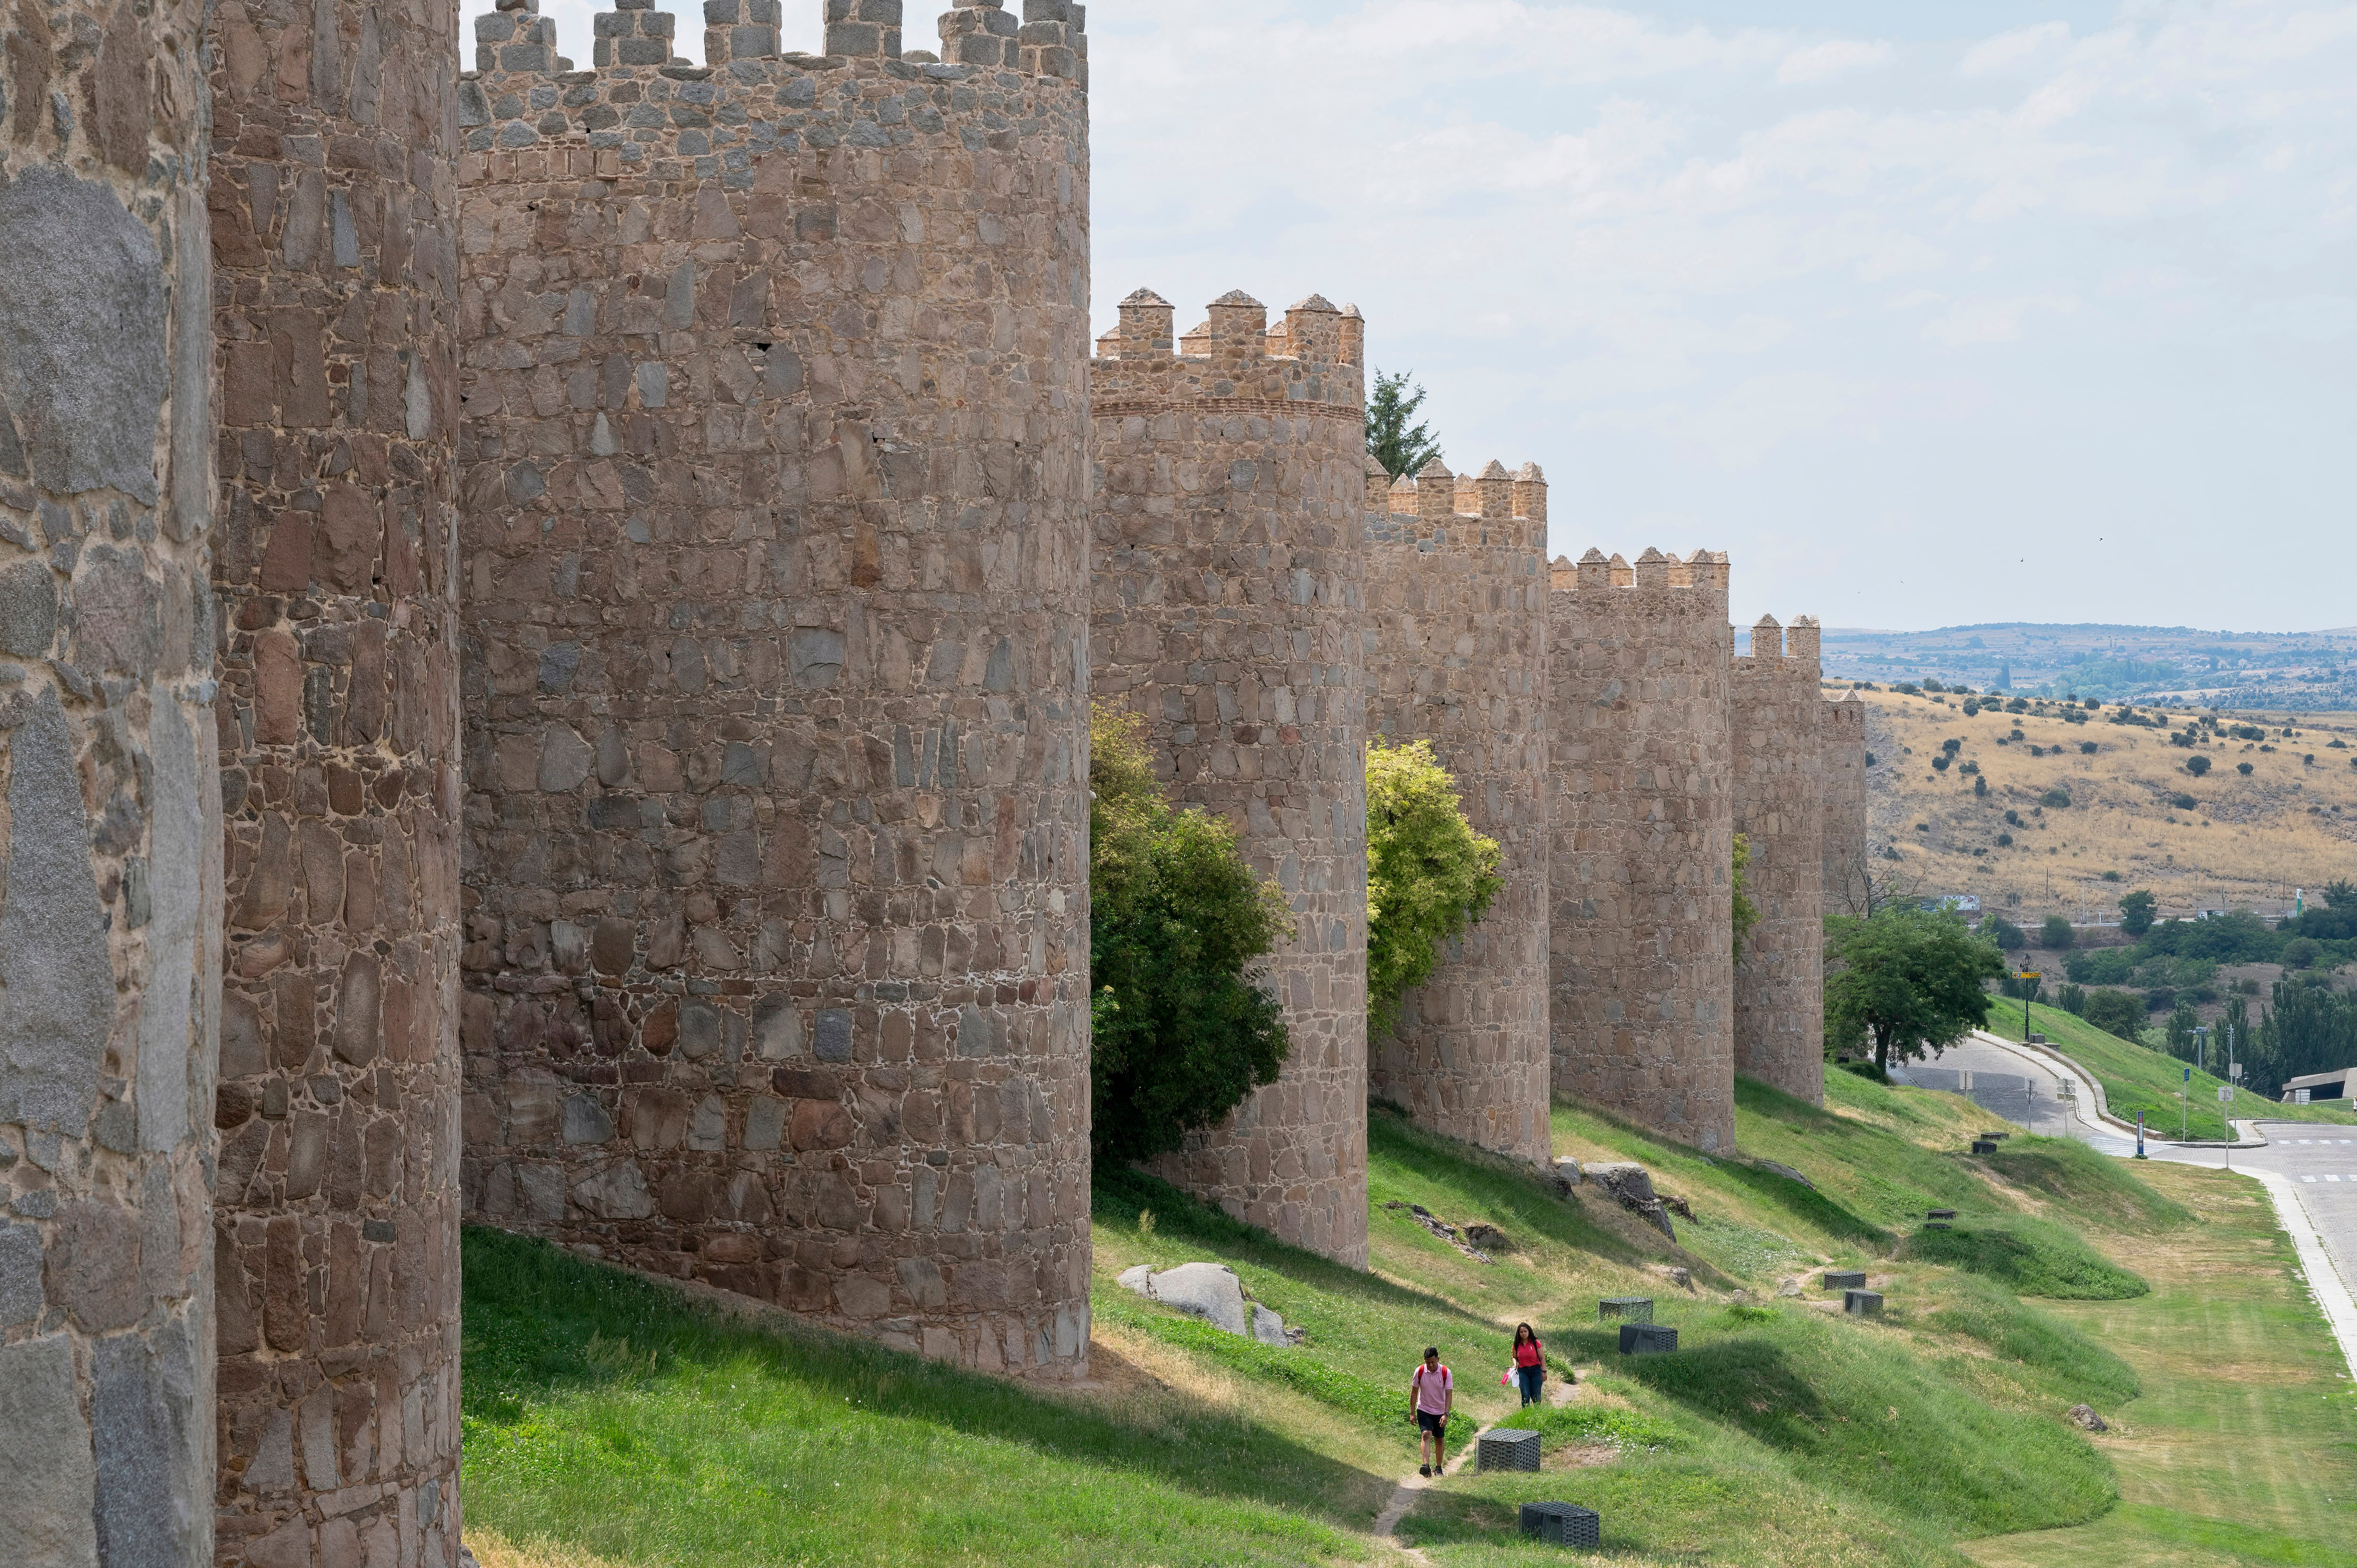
(1530,1378)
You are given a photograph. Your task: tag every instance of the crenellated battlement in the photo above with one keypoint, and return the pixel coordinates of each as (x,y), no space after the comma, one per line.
(1438,511)
(1596,573)
(1313,360)
(1776,648)
(656,114)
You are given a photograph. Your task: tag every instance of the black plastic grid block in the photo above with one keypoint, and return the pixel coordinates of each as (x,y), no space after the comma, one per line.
(1508,1449)
(1647,1340)
(1836,1279)
(1563,1524)
(1984,1146)
(1625,1309)
(1861,1303)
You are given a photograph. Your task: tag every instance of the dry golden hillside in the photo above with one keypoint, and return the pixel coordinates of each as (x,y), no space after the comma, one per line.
(2246,841)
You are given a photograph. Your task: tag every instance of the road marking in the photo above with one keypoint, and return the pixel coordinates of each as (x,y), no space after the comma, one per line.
(2313,1179)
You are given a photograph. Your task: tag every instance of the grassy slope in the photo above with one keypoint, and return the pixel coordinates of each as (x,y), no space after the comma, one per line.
(2247,1432)
(2250,842)
(2135,1078)
(606,1424)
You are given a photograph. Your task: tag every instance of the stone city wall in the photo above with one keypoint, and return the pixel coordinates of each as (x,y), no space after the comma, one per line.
(1842,732)
(1780,791)
(334,203)
(1229,596)
(775,486)
(110,833)
(1457,618)
(1641,825)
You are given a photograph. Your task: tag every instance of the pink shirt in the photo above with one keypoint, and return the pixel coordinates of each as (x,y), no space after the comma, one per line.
(1432,1390)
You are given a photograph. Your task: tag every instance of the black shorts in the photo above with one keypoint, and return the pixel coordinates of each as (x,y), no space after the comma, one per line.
(1425,1420)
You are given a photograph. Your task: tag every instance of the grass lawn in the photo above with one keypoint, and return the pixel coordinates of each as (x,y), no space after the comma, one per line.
(2137,1078)
(2243,1449)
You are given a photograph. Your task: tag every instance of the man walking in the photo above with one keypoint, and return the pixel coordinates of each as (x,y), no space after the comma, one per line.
(1434,1394)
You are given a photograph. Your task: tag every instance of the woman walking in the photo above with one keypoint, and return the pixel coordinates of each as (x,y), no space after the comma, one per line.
(1529,1362)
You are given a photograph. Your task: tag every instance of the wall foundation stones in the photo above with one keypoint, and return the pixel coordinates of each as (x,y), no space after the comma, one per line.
(110,859)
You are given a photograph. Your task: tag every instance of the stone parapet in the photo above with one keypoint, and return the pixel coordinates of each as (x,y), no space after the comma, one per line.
(1229,598)
(1640,824)
(1779,782)
(110,830)
(1457,619)
(335,214)
(776,479)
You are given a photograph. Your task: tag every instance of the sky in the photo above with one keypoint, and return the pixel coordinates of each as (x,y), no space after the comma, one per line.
(1928,314)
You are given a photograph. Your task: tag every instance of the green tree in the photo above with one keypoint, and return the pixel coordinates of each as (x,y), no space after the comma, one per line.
(2008,937)
(1430,874)
(2056,932)
(2136,912)
(2197,765)
(1401,447)
(1180,1029)
(1908,980)
(2115,1012)
(1747,913)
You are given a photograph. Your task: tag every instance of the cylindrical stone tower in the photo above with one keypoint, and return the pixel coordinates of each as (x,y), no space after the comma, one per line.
(777,666)
(109,831)
(1780,798)
(1842,726)
(334,244)
(1642,827)
(1456,608)
(1228,603)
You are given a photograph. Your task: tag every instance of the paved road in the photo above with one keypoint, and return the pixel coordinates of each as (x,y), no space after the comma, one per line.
(2308,1167)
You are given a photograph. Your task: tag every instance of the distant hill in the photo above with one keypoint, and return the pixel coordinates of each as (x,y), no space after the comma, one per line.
(2309,672)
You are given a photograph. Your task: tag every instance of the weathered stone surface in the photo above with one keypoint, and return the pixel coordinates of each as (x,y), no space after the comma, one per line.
(1229,598)
(1456,610)
(1848,857)
(85,358)
(47,1481)
(1209,1291)
(1777,745)
(57,980)
(776,660)
(1642,822)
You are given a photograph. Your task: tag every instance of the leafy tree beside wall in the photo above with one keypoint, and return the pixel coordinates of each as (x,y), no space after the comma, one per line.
(1905,981)
(1180,1029)
(1430,874)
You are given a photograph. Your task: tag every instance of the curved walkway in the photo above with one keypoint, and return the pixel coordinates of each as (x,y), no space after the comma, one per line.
(2309,1169)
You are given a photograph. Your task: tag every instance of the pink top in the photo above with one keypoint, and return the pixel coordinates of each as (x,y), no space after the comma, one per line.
(1432,1390)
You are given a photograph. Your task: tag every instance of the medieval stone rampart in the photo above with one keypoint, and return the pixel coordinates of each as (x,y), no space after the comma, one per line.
(1780,781)
(1456,622)
(334,203)
(1641,828)
(775,486)
(110,833)
(1228,596)
(1848,872)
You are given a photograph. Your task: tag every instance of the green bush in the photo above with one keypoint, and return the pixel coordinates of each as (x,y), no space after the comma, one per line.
(2197,765)
(2115,1012)
(1179,1030)
(1430,874)
(2056,800)
(2056,931)
(2136,911)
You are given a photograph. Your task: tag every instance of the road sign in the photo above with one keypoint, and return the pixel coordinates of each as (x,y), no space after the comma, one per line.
(2235,1072)
(2030,974)
(2225,1094)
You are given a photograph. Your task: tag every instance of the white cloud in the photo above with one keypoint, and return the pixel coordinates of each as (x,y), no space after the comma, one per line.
(1823,62)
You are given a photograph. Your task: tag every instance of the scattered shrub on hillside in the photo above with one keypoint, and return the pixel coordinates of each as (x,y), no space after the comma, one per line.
(1942,761)
(1180,1029)
(2197,765)
(2136,912)
(2183,802)
(2056,932)
(2089,747)
(2301,953)
(2115,1012)
(2244,769)
(1430,874)
(2012,816)
(2056,800)
(2004,840)
(1980,785)
(2111,876)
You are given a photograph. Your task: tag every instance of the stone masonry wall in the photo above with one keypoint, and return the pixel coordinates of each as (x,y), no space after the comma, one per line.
(336,286)
(1779,792)
(110,839)
(1229,601)
(1641,824)
(776,494)
(1842,732)
(1456,612)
